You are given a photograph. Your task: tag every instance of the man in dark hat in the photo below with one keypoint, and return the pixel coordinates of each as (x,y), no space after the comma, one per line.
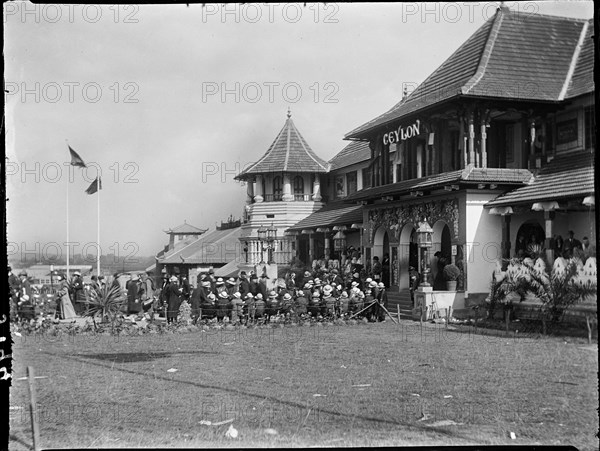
(77,293)
(570,244)
(134,305)
(254,289)
(244,285)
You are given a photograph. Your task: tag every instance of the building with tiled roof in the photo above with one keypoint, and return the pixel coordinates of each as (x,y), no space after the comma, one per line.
(498,141)
(284,186)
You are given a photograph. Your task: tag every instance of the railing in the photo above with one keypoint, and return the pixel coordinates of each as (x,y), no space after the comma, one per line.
(279,197)
(273,197)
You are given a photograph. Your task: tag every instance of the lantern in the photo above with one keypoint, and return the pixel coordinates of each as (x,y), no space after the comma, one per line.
(425,241)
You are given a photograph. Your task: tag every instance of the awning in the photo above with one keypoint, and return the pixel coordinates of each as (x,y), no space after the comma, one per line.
(469,176)
(335,214)
(565,178)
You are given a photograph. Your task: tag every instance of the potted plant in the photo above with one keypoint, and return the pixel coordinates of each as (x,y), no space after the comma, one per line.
(451,274)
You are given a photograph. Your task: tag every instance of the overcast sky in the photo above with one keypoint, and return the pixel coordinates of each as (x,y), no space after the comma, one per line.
(139,91)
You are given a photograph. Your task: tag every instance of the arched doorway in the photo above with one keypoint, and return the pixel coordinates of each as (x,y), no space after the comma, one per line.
(529,230)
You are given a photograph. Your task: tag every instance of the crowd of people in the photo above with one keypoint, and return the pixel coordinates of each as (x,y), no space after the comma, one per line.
(566,248)
(321,293)
(69,296)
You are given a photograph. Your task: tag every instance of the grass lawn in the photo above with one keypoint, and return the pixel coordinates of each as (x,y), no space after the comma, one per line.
(364,385)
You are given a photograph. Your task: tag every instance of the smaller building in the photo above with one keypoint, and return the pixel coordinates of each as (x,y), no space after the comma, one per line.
(195,254)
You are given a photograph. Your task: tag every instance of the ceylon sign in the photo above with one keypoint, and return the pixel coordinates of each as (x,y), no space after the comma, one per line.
(402,134)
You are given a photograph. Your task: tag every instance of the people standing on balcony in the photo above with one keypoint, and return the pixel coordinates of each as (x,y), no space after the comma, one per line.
(520,247)
(589,249)
(570,245)
(558,244)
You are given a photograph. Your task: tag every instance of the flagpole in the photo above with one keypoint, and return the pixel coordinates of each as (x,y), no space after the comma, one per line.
(99,185)
(68,183)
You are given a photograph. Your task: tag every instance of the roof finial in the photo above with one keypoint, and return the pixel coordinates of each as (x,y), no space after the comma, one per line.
(289,113)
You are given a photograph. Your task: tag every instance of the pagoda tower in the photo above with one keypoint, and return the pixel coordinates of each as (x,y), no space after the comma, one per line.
(284,187)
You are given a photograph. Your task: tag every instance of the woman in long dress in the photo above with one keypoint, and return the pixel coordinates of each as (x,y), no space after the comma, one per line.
(66,306)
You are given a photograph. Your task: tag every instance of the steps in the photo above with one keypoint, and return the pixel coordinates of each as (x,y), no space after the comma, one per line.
(401,299)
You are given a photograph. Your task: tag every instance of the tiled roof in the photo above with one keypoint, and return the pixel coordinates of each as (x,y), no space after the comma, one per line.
(563,178)
(216,246)
(469,175)
(186,229)
(582,81)
(289,153)
(512,56)
(355,152)
(336,213)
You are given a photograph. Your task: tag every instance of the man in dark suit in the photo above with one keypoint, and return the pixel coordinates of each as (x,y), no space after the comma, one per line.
(244,285)
(133,302)
(570,245)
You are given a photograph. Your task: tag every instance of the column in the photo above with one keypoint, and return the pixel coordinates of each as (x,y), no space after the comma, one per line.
(258,189)
(483,144)
(471,139)
(549,242)
(326,241)
(250,192)
(505,238)
(311,248)
(316,195)
(287,189)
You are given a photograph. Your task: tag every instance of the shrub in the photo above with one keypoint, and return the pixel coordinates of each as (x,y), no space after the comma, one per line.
(451,272)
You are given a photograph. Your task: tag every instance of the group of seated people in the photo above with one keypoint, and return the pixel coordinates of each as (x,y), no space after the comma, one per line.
(248,299)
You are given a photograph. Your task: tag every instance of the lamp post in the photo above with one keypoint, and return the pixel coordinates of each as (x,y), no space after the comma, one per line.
(425,241)
(271,237)
(339,244)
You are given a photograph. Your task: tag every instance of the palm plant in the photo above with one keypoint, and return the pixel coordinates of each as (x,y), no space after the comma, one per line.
(105,302)
(557,290)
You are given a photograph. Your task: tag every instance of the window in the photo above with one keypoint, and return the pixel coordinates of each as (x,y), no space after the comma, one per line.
(366,174)
(351,183)
(277,188)
(398,172)
(590,128)
(299,187)
(340,190)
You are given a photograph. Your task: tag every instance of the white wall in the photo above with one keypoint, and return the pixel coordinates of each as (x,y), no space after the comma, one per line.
(483,239)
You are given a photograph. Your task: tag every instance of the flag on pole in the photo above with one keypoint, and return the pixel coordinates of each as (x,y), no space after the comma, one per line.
(76,159)
(95,186)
